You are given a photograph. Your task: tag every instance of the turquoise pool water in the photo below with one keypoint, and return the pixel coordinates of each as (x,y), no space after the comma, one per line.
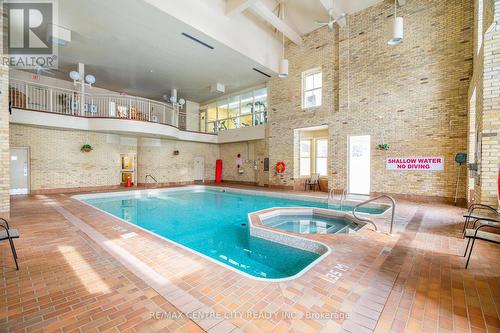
(311,224)
(214,223)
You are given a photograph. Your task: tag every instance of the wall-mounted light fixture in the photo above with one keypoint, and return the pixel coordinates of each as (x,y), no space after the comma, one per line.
(284,62)
(397,27)
(78,77)
(173,99)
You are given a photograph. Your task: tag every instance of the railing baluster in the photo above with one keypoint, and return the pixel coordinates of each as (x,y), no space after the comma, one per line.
(27,95)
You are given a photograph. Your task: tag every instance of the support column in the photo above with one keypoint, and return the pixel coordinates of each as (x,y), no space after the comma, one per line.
(490,131)
(4,129)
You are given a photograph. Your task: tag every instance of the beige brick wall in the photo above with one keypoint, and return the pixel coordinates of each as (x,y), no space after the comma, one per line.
(57,162)
(483,110)
(413,96)
(490,115)
(252,156)
(166,167)
(4,131)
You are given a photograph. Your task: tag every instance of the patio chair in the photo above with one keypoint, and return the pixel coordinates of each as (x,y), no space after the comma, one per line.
(312,182)
(478,232)
(9,234)
(475,207)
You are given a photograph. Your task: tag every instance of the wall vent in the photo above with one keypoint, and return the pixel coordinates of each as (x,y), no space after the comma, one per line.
(197,41)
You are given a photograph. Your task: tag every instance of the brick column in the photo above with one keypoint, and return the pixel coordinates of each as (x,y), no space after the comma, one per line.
(490,155)
(4,130)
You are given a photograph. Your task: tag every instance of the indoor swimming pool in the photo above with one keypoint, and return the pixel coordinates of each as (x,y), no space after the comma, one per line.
(214,223)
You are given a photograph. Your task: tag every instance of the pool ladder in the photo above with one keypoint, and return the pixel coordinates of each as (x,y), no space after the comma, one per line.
(146,180)
(343,196)
(393,203)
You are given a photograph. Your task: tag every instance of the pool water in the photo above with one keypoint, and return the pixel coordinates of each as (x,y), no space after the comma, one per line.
(214,223)
(311,224)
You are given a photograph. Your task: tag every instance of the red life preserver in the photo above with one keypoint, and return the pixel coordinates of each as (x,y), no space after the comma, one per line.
(280,167)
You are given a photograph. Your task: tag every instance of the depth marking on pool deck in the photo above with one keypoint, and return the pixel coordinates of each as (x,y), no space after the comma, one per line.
(178,297)
(337,272)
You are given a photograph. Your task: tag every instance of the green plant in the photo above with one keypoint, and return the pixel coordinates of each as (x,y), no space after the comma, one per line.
(383,146)
(86,148)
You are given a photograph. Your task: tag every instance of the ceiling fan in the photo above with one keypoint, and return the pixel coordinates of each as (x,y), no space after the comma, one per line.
(334,18)
(42,70)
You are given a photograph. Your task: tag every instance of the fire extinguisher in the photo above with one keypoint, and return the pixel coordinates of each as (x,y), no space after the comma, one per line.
(128,183)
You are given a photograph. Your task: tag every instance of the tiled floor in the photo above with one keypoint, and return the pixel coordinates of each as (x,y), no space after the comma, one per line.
(121,277)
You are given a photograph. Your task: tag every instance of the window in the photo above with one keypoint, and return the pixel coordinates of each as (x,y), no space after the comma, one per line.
(322,157)
(311,88)
(305,158)
(479,27)
(235,111)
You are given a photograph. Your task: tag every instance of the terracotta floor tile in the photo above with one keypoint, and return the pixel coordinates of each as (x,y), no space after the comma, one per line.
(414,281)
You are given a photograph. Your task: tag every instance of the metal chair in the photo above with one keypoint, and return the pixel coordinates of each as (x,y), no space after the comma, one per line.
(312,182)
(476,233)
(470,214)
(9,234)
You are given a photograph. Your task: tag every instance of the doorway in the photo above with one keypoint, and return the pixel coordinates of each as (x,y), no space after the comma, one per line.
(19,171)
(359,164)
(199,169)
(127,168)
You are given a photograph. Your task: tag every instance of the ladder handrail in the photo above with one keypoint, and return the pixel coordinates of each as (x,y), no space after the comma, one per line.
(146,180)
(371,200)
(343,196)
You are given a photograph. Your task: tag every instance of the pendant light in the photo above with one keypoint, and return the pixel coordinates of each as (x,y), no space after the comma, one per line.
(397,28)
(284,62)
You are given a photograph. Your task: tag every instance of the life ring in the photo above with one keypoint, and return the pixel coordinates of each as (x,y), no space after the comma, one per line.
(280,167)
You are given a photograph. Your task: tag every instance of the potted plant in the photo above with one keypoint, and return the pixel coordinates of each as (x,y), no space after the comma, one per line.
(383,146)
(86,148)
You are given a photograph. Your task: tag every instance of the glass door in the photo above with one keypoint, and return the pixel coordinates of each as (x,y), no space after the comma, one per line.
(359,164)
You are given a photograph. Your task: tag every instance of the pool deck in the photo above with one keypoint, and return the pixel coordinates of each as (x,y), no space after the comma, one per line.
(82,270)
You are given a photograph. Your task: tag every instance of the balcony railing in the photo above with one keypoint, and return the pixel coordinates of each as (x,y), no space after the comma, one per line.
(38,97)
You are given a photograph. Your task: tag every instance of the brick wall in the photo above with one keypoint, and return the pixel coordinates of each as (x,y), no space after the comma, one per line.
(57,163)
(252,155)
(490,115)
(412,96)
(158,160)
(4,131)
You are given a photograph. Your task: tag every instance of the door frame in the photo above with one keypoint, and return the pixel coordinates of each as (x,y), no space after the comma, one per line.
(349,164)
(28,154)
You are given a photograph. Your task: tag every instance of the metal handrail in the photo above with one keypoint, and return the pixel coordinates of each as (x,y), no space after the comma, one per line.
(146,180)
(370,221)
(343,196)
(41,97)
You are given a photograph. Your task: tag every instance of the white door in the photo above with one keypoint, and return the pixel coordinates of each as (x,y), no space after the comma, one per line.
(359,164)
(19,171)
(199,168)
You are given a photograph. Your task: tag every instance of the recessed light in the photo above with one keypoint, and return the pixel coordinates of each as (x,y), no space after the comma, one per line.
(151,71)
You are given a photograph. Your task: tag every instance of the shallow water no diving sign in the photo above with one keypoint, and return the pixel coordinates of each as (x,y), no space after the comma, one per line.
(424,163)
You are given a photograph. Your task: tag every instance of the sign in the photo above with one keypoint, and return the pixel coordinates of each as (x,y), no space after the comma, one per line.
(425,163)
(29,34)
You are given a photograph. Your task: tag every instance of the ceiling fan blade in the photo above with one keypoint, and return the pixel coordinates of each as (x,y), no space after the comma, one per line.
(322,22)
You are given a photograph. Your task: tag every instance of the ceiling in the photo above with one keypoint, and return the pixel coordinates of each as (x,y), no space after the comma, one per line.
(132,47)
(301,14)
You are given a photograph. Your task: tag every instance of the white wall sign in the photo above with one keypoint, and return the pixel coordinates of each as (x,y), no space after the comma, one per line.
(424,163)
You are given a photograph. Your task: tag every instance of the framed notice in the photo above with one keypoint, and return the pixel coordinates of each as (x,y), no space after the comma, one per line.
(424,163)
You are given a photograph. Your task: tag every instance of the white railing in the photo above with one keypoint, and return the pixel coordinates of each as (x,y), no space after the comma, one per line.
(38,97)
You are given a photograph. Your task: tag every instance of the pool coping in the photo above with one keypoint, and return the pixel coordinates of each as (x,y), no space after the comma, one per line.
(259,229)
(301,196)
(137,193)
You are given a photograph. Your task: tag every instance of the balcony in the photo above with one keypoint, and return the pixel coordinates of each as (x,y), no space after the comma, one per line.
(36,97)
